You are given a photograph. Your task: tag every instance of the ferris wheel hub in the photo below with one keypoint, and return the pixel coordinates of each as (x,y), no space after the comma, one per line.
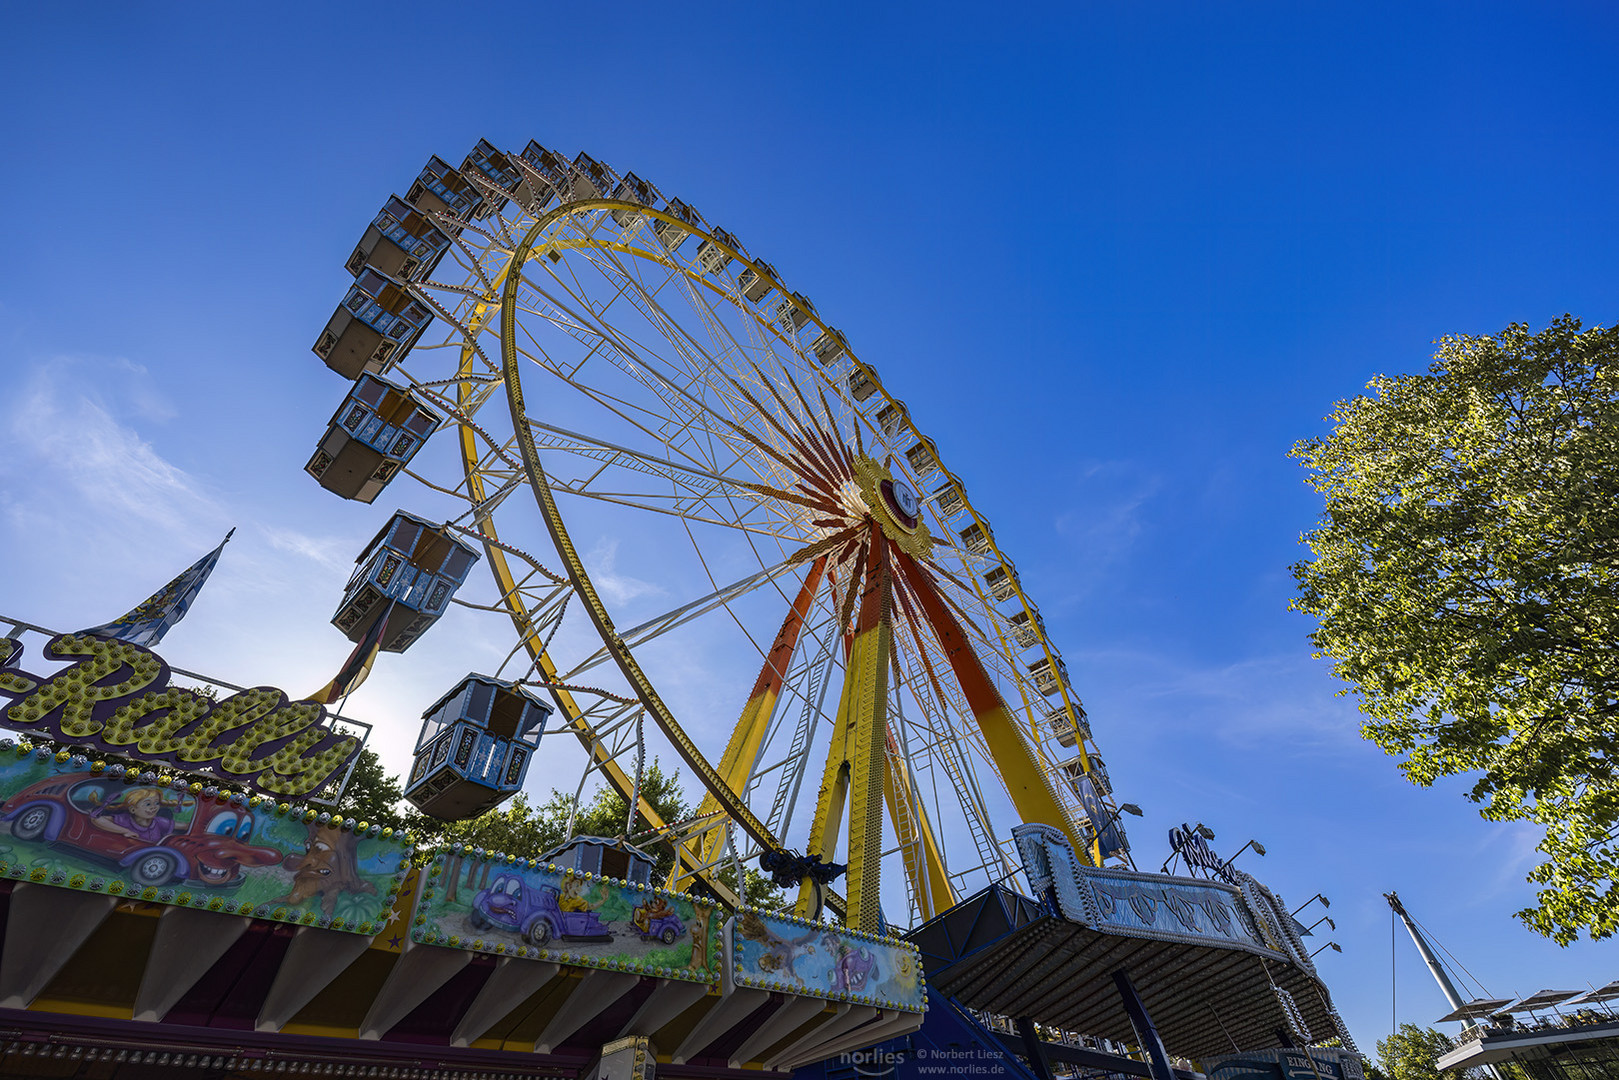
(894,506)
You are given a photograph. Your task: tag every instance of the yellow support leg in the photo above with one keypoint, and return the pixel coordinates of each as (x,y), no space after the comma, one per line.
(736,764)
(1029,785)
(919,847)
(855,763)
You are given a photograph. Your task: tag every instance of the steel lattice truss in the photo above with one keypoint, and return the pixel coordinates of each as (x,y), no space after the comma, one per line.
(677,398)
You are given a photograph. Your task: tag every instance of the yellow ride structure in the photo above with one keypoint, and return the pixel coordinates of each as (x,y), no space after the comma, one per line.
(661,382)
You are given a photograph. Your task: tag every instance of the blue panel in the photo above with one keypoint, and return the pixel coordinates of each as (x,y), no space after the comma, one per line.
(516,768)
(385,570)
(486,762)
(367,431)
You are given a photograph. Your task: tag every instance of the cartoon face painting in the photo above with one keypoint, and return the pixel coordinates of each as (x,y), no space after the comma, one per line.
(328,868)
(160,836)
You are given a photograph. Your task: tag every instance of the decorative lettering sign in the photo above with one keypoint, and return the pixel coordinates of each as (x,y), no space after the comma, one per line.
(1154,906)
(1315,1064)
(69,823)
(117,695)
(519,907)
(777,952)
(1189,845)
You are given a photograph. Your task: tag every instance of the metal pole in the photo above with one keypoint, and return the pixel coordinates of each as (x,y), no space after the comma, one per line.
(1434,965)
(1039,1064)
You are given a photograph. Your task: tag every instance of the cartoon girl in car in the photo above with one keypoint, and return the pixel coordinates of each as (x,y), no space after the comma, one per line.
(136,813)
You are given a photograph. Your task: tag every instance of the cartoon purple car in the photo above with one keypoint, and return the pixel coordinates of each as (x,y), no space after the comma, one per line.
(655,919)
(534,912)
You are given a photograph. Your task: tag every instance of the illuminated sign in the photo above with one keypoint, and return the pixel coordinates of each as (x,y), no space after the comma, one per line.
(116,695)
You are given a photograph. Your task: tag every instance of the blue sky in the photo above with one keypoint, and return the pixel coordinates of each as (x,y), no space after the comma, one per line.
(1116,259)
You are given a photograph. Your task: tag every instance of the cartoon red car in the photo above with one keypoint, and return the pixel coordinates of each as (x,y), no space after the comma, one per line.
(158,836)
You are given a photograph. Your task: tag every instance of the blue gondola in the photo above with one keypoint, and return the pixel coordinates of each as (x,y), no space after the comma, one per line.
(551,166)
(475,747)
(672,235)
(498,170)
(408,572)
(375,325)
(440,187)
(374,433)
(401,243)
(592,179)
(613,858)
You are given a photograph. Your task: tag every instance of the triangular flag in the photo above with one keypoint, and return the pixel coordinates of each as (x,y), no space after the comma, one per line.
(148,622)
(358,665)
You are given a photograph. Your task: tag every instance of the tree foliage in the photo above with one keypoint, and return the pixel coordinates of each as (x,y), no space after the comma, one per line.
(372,795)
(522,828)
(1466,584)
(1412,1053)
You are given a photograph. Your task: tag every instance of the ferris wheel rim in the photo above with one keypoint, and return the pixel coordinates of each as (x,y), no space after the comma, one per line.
(580,578)
(510,359)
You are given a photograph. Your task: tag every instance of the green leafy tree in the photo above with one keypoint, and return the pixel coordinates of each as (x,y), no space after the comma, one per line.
(1412,1053)
(372,795)
(523,828)
(1466,584)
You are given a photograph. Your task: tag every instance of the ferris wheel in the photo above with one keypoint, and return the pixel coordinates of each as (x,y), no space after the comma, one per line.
(686,483)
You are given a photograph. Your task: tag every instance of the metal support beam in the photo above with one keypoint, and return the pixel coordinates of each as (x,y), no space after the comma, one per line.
(1034,1049)
(813,1046)
(1146,1033)
(732,1009)
(418,972)
(855,760)
(313,959)
(44,928)
(187,944)
(508,986)
(1027,782)
(792,1015)
(593,996)
(668,999)
(887,1025)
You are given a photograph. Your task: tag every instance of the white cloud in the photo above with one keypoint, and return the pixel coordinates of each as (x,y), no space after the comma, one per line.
(332,552)
(76,462)
(1105,518)
(614,587)
(1284,700)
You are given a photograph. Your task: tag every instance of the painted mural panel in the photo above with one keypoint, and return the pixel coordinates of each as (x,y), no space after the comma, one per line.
(76,824)
(519,907)
(777,952)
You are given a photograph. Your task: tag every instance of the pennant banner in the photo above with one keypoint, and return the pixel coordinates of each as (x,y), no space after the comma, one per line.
(358,665)
(147,623)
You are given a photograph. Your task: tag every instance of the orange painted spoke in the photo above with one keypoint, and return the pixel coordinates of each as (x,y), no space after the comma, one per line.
(774,673)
